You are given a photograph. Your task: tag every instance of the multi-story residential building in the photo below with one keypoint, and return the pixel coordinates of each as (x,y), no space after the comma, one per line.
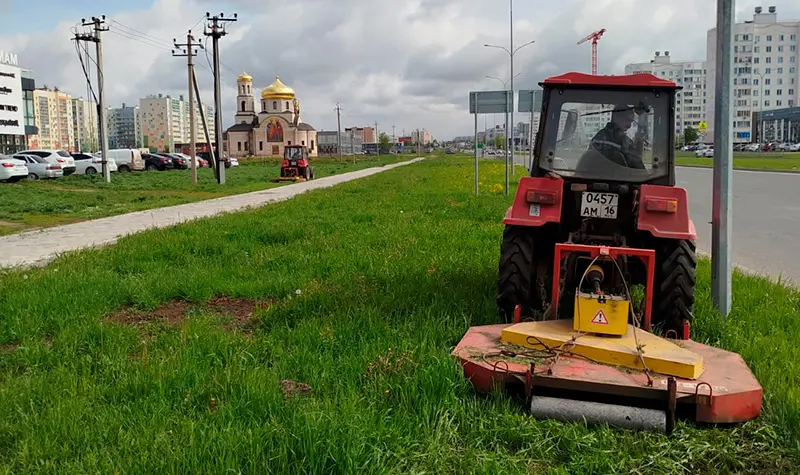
(367,134)
(692,102)
(123,127)
(84,125)
(16,105)
(421,137)
(164,123)
(765,70)
(54,120)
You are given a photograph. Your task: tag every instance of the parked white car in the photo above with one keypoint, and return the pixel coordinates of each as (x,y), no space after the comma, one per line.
(128,159)
(753,147)
(86,164)
(40,168)
(11,169)
(56,157)
(795,147)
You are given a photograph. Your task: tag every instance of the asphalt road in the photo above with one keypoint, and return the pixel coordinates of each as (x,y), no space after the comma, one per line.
(766,219)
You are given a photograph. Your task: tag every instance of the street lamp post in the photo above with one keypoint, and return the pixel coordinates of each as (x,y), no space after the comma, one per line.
(505,129)
(511,51)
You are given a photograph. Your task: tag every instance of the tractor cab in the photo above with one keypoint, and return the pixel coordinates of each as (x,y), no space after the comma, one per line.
(295,165)
(612,129)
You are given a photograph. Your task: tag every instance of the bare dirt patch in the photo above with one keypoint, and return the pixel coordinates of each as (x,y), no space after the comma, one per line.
(171,313)
(240,310)
(292,389)
(8,348)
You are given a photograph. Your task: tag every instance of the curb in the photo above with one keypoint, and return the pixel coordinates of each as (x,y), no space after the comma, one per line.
(740,169)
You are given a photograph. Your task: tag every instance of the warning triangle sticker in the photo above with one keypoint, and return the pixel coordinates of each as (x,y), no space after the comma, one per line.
(600,318)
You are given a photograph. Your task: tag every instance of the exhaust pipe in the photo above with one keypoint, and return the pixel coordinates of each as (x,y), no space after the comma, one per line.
(626,417)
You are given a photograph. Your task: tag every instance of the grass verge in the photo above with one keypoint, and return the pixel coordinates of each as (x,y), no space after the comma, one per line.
(754,161)
(357,295)
(36,204)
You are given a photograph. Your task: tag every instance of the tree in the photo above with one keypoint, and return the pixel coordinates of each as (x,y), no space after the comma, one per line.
(690,135)
(498,141)
(384,143)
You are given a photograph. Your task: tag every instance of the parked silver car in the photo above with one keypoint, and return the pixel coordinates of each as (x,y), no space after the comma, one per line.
(39,167)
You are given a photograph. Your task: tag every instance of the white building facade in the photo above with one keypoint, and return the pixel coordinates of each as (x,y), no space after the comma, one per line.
(765,70)
(694,100)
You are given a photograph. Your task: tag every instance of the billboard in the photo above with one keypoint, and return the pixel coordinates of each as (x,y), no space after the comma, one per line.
(12,120)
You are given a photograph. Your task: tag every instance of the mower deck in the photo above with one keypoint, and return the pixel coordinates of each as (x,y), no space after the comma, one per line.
(288,178)
(659,354)
(725,392)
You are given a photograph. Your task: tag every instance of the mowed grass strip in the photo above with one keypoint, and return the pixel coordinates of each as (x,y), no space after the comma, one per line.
(44,203)
(123,360)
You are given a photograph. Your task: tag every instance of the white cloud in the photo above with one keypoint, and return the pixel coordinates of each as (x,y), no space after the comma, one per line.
(409,63)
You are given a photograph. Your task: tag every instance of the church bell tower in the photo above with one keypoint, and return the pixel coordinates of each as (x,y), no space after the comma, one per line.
(245,107)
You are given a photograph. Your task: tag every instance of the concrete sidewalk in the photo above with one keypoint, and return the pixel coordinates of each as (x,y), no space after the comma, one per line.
(37,248)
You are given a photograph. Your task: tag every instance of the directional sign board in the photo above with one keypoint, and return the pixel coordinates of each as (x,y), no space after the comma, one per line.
(702,126)
(530,100)
(489,102)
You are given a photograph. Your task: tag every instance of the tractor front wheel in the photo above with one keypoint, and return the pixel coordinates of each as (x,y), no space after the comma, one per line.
(516,274)
(675,276)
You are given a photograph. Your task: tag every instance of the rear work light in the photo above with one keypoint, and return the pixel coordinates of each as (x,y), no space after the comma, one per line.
(540,197)
(661,205)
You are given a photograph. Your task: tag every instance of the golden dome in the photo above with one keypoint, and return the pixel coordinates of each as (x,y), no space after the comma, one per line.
(245,77)
(277,90)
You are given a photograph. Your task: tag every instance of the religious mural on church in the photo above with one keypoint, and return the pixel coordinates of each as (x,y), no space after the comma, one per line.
(274,131)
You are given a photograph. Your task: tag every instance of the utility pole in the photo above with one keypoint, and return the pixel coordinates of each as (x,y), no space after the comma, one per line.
(215,28)
(721,215)
(203,118)
(511,48)
(338,110)
(377,141)
(99,25)
(189,51)
(394,140)
(352,146)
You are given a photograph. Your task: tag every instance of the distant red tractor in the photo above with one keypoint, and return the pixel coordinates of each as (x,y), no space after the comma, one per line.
(295,165)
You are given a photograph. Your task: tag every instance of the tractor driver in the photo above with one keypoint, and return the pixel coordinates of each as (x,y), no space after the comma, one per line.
(613,141)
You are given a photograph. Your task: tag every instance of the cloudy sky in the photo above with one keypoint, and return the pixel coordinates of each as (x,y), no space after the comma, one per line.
(408,63)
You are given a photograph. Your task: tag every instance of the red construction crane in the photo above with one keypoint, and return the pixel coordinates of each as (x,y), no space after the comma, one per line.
(594,37)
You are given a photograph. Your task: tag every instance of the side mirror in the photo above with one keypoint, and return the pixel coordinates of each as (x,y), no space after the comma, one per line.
(571,124)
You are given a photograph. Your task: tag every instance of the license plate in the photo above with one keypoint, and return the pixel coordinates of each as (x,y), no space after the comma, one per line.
(599,205)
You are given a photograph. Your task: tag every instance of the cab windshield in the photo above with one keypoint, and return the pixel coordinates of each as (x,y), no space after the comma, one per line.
(607,135)
(294,153)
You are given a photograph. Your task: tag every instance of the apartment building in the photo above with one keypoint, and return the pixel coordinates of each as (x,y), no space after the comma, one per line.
(123,127)
(765,69)
(692,101)
(54,119)
(84,125)
(164,123)
(366,134)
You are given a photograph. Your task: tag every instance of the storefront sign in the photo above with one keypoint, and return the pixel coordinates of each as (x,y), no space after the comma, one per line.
(12,121)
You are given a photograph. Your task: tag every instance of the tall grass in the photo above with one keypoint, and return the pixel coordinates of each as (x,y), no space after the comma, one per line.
(363,289)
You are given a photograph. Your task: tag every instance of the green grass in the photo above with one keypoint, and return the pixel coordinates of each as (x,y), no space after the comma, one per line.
(392,270)
(758,161)
(32,204)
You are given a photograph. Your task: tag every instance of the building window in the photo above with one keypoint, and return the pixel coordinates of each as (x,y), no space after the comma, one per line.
(769,38)
(287,105)
(778,103)
(769,49)
(239,146)
(766,103)
(242,105)
(303,143)
(274,105)
(780,59)
(768,60)
(757,49)
(780,38)
(780,70)
(290,142)
(260,145)
(312,145)
(767,70)
(779,92)
(791,92)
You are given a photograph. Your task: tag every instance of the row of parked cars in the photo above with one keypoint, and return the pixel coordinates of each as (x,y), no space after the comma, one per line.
(706,150)
(42,164)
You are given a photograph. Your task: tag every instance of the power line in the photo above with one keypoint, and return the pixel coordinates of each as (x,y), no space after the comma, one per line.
(134,31)
(141,39)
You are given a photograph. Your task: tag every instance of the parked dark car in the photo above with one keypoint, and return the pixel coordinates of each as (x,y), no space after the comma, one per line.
(178,161)
(157,161)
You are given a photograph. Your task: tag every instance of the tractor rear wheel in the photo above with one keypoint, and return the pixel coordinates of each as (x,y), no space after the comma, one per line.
(675,277)
(516,274)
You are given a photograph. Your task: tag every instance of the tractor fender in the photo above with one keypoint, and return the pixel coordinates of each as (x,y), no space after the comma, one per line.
(537,202)
(664,212)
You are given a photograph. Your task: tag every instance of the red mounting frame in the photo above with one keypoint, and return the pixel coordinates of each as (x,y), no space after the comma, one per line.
(646,255)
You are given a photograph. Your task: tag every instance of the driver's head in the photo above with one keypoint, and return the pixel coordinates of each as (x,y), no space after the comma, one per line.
(623,116)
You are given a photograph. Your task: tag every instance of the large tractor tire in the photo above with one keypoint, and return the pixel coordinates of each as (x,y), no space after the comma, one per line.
(516,273)
(675,277)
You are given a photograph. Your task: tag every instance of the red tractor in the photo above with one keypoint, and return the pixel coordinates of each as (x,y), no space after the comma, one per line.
(597,271)
(295,165)
(603,175)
